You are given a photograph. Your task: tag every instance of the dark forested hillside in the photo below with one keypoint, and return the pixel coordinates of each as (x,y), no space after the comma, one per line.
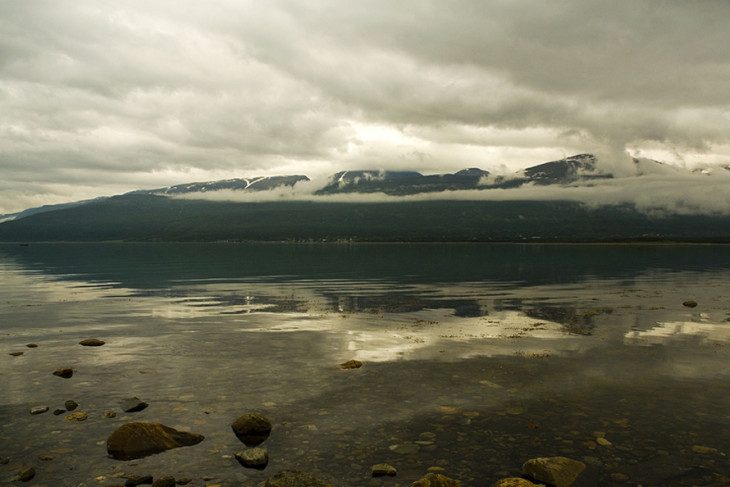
(143,217)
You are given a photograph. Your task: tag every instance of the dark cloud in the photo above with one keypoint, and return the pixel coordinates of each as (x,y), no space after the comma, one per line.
(100,96)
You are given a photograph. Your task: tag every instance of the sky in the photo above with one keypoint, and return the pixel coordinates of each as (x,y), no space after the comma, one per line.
(101,97)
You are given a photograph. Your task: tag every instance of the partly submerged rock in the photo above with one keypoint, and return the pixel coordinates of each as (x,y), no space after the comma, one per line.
(294,478)
(558,471)
(16,354)
(256,458)
(26,474)
(58,412)
(70,405)
(39,410)
(133,405)
(690,303)
(92,342)
(351,364)
(137,440)
(136,480)
(110,414)
(384,470)
(252,428)
(64,372)
(77,416)
(436,480)
(514,482)
(32,345)
(167,481)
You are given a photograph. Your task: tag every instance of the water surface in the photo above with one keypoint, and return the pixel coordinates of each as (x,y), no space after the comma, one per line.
(477,358)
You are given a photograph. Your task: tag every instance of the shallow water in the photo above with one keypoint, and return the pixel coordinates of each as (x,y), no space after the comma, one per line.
(486,355)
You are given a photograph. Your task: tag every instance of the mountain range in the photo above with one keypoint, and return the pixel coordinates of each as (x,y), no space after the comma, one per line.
(159,214)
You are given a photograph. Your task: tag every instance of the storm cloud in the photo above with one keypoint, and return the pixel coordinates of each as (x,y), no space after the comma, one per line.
(100,97)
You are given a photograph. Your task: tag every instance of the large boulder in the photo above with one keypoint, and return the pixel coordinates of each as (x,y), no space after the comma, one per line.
(136,440)
(252,428)
(294,478)
(436,480)
(558,471)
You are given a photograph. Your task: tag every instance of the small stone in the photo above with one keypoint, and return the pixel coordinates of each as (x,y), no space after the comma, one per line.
(252,429)
(32,345)
(351,364)
(167,481)
(383,470)
(110,414)
(64,372)
(133,405)
(16,354)
(92,342)
(256,458)
(26,474)
(138,480)
(70,405)
(703,450)
(514,482)
(39,410)
(58,412)
(436,480)
(559,471)
(690,303)
(184,481)
(603,441)
(77,416)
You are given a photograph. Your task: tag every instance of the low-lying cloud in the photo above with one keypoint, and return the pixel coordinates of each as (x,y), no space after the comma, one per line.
(657,194)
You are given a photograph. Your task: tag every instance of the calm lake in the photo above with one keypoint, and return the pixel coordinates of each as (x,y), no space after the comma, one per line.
(476,358)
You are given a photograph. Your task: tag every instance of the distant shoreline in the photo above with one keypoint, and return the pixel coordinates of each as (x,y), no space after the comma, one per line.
(667,243)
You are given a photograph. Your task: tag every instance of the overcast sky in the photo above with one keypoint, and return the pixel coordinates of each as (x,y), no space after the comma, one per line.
(100,97)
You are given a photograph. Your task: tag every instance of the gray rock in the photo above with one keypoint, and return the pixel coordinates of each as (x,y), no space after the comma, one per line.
(133,405)
(92,342)
(58,412)
(383,470)
(39,409)
(256,458)
(64,372)
(558,471)
(252,428)
(294,478)
(137,440)
(70,405)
